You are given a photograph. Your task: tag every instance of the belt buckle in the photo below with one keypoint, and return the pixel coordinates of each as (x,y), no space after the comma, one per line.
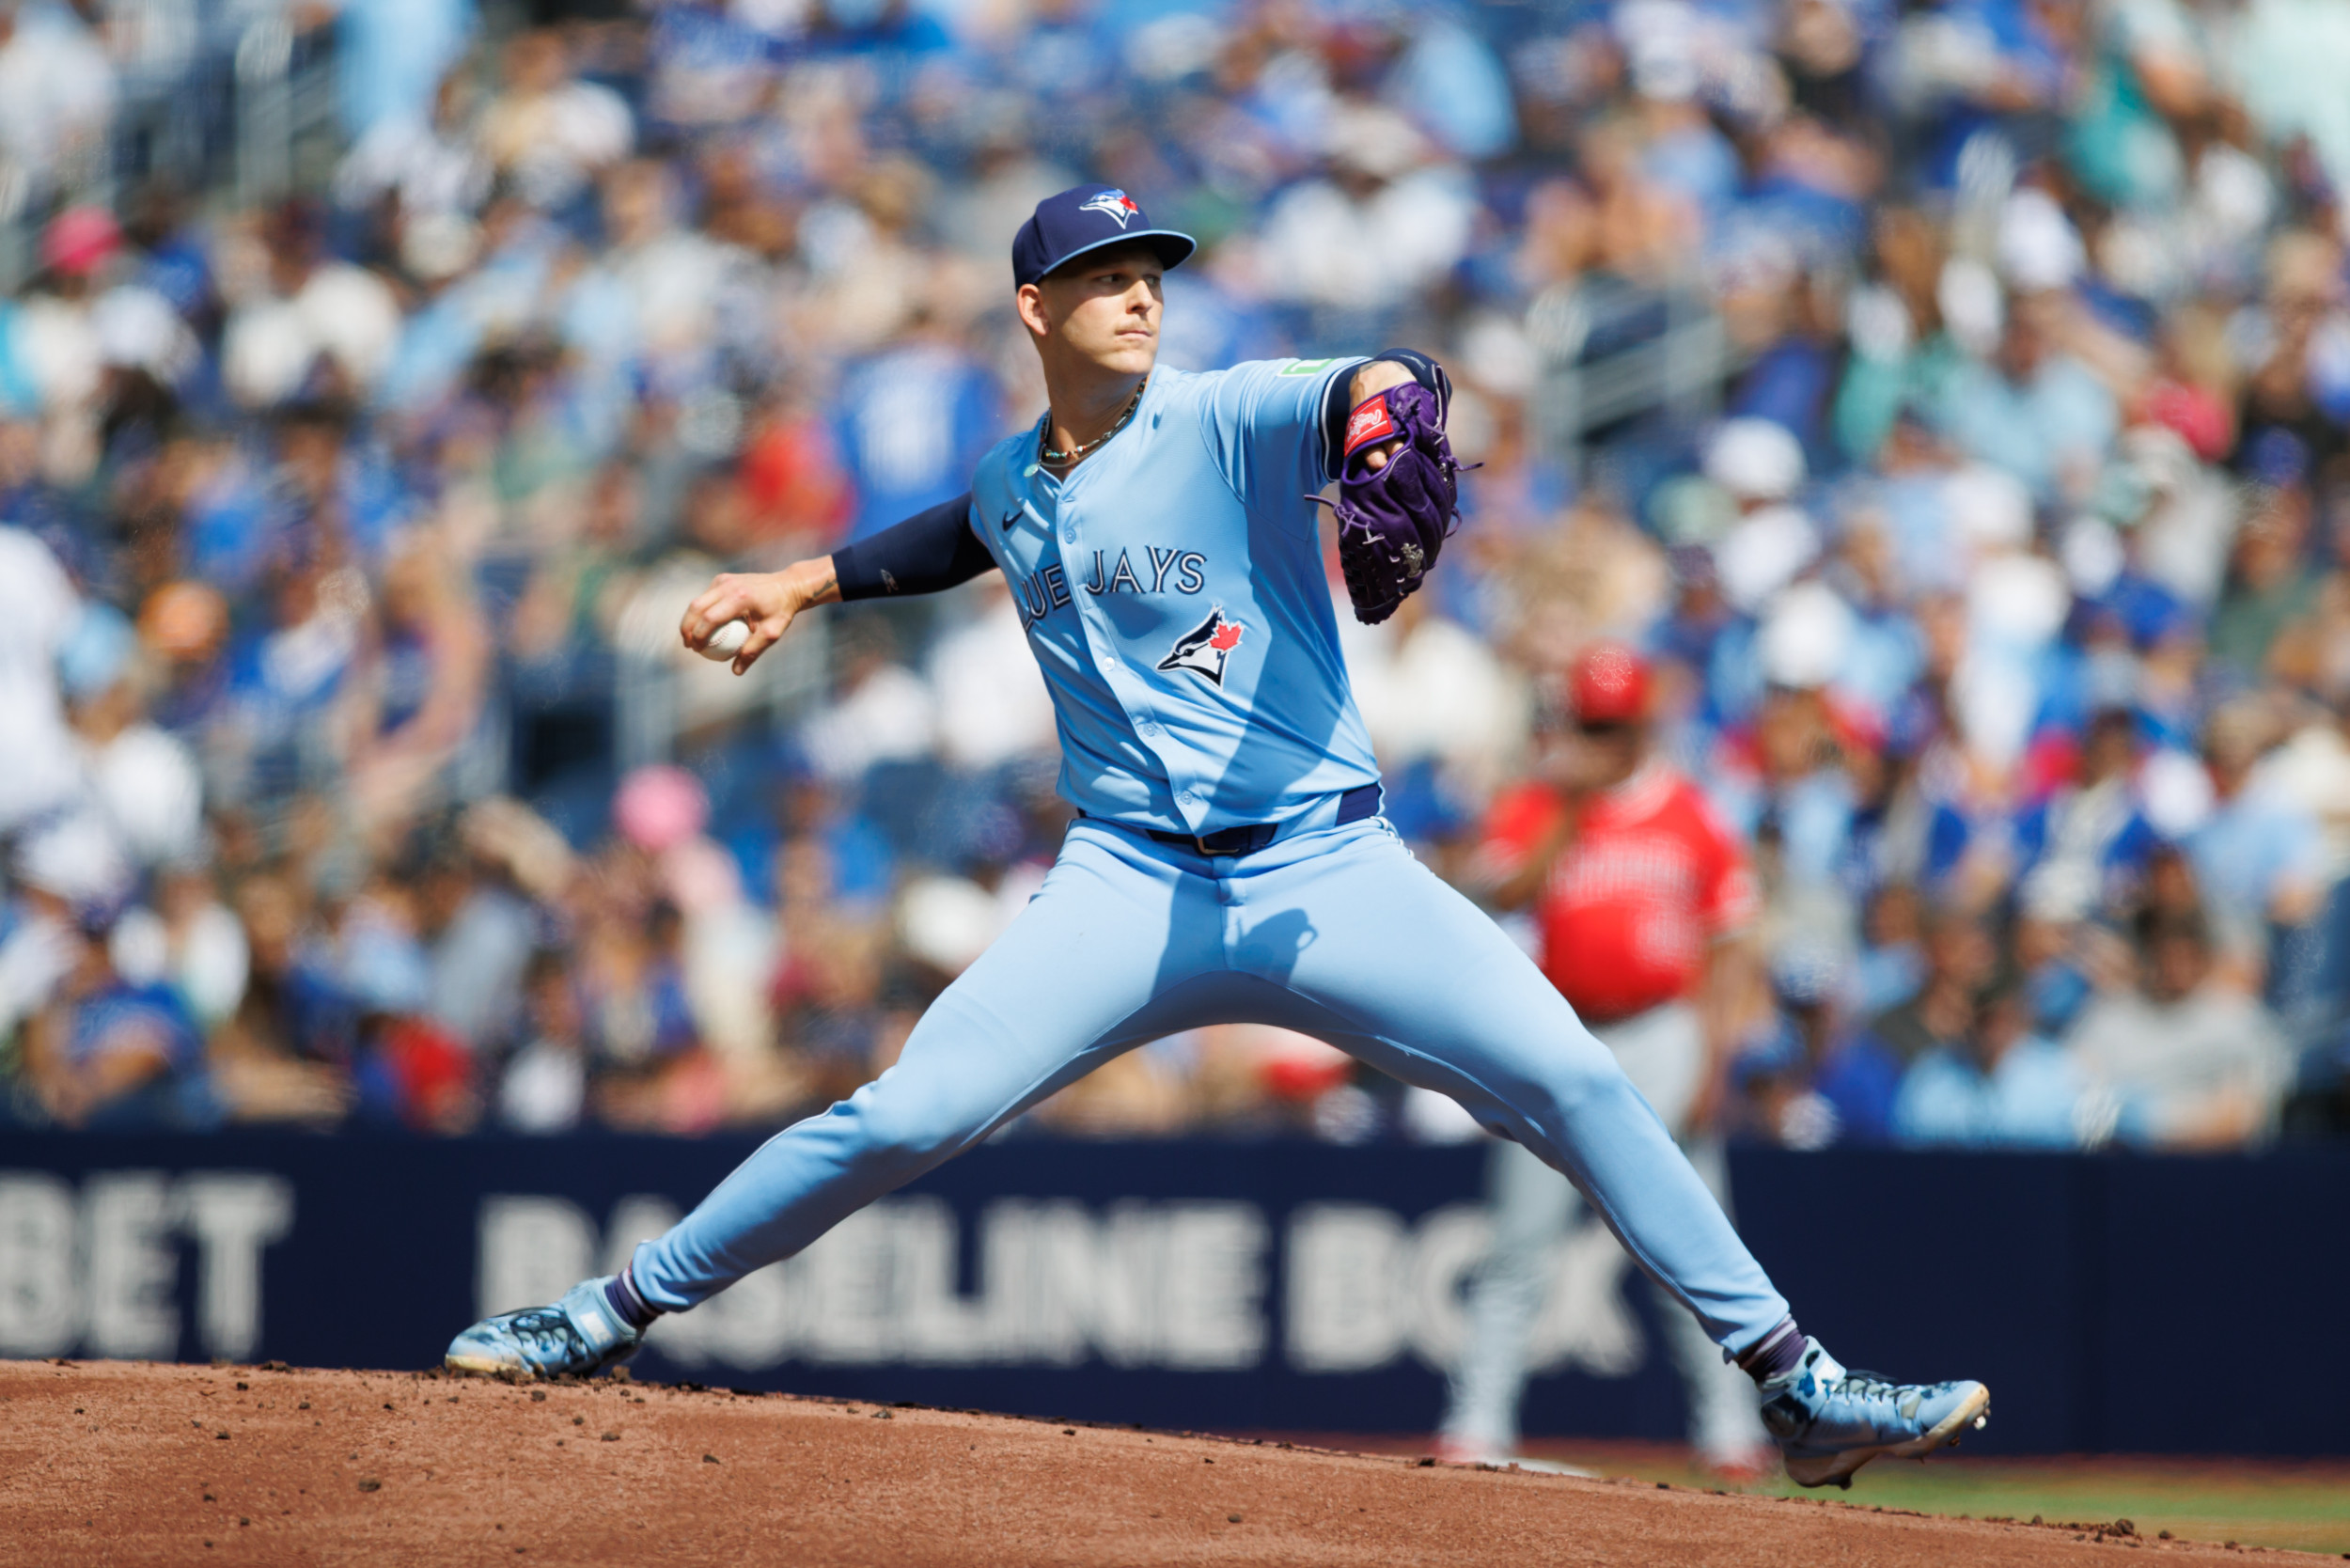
(1200,840)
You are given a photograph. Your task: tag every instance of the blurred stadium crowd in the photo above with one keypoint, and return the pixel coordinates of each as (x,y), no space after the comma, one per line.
(1949,398)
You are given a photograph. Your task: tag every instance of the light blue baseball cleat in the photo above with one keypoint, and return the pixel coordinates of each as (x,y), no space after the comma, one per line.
(1830,1421)
(580,1334)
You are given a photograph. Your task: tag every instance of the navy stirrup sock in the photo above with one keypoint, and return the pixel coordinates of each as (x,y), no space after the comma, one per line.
(634,1311)
(1776,1352)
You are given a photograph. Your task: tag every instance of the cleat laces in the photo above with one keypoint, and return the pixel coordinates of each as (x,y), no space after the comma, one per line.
(547,1332)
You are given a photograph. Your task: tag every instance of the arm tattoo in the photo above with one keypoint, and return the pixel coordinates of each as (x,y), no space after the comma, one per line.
(827,588)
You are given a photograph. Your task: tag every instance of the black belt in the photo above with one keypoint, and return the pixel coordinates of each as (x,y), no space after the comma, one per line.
(1353,806)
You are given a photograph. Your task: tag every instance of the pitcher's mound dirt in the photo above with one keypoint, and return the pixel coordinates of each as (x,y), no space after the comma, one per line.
(107,1463)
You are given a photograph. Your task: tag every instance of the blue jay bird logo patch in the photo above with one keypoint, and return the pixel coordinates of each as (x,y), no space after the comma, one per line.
(1206,647)
(1116,205)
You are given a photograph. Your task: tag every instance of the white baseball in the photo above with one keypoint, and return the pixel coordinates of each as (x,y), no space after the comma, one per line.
(727,641)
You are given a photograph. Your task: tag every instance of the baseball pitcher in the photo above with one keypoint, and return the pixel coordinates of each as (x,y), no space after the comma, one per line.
(1229,861)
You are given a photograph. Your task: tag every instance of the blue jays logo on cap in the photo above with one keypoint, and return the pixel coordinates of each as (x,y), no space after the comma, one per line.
(1116,205)
(1085,218)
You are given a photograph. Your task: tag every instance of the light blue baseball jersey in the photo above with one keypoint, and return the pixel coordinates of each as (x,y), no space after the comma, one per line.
(1173,592)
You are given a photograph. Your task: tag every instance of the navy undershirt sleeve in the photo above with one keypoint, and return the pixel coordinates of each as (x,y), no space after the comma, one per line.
(1334,407)
(928,553)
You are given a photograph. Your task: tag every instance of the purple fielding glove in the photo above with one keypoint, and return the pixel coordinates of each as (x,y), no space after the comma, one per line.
(1392,521)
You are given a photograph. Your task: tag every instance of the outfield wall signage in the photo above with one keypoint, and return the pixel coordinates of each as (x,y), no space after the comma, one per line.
(93,1266)
(1057,1283)
(1267,1286)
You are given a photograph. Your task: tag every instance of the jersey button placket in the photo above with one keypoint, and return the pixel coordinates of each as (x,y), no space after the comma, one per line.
(1108,657)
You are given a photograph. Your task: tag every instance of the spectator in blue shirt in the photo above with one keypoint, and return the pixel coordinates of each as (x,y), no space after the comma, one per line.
(1804,1083)
(2002,1087)
(2036,412)
(2257,856)
(113,1056)
(914,421)
(2091,835)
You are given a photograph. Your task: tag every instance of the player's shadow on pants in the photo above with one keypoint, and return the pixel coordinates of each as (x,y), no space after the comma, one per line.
(1201,983)
(1272,947)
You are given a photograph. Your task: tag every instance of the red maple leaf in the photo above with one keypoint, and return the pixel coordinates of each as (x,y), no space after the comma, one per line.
(1226,637)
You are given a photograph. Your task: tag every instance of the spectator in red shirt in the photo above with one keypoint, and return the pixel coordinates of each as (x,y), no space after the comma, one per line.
(1639,893)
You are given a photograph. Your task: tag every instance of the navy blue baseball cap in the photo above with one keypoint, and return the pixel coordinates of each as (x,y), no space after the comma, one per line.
(1086,218)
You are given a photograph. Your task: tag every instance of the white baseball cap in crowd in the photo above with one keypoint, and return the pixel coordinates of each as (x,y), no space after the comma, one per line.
(1763,552)
(1806,638)
(1755,460)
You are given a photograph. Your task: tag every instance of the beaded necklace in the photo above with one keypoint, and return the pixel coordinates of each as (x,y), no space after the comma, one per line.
(1051,458)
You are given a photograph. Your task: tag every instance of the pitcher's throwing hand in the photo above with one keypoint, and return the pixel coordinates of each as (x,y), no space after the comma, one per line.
(766,601)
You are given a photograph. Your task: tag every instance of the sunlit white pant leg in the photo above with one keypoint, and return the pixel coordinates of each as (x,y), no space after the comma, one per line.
(1114,926)
(1415,980)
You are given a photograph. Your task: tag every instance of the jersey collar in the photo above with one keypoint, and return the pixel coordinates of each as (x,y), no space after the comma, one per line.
(1643,793)
(1101,442)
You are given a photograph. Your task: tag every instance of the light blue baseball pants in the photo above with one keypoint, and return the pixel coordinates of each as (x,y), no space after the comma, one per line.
(1335,931)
